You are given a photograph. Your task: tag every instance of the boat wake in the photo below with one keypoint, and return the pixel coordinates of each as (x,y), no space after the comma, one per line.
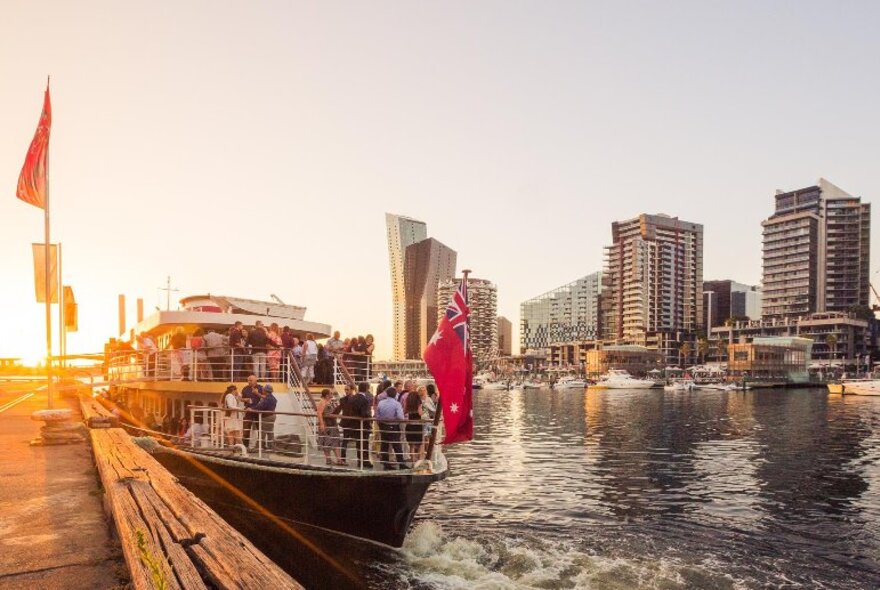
(437,560)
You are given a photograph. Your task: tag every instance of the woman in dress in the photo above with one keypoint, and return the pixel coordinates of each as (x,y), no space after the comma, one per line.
(415,432)
(328,433)
(232,423)
(273,356)
(429,408)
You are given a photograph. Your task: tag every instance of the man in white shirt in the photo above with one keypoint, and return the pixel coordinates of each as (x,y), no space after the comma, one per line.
(310,357)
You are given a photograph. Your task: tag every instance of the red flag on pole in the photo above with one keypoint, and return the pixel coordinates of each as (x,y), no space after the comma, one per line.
(448,356)
(32,180)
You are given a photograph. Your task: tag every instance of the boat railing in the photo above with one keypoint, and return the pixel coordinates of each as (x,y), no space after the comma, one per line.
(225,364)
(362,441)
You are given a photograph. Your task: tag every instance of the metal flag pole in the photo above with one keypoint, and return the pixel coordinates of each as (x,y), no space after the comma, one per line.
(432,441)
(48,276)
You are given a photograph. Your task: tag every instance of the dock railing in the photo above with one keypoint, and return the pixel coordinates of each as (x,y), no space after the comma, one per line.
(353,443)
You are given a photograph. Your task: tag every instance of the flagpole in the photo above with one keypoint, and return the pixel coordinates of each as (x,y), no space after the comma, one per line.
(48,297)
(432,441)
(60,311)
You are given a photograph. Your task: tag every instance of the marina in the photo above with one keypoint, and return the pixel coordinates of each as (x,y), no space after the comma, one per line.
(266,364)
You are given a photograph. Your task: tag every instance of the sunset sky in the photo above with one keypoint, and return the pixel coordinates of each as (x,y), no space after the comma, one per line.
(253,148)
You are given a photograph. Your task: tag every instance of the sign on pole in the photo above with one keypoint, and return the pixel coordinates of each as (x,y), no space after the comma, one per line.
(40,272)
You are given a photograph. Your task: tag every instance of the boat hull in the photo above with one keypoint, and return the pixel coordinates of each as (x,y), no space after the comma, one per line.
(872,388)
(376,506)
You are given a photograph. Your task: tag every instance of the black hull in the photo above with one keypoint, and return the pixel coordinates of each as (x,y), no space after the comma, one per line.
(375,506)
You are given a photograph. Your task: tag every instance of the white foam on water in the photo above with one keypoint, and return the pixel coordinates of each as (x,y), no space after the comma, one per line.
(453,563)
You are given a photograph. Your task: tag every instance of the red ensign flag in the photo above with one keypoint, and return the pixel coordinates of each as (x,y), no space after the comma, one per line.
(448,356)
(32,180)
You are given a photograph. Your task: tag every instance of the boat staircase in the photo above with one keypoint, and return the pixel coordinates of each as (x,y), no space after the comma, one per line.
(302,399)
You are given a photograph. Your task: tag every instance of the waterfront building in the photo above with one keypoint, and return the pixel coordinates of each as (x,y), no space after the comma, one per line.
(401,233)
(426,264)
(653,283)
(636,360)
(483,303)
(725,300)
(566,314)
(402,369)
(778,358)
(837,337)
(816,252)
(505,336)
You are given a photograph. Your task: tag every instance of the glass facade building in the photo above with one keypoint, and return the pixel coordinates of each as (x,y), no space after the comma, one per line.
(566,314)
(401,232)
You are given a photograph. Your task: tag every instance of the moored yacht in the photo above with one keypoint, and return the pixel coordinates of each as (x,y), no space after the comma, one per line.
(285,468)
(680,385)
(620,379)
(570,382)
(857,387)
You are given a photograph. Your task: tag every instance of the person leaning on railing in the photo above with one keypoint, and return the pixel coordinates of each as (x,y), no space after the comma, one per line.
(389,432)
(328,433)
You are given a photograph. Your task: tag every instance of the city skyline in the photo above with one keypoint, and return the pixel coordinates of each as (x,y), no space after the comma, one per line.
(522,173)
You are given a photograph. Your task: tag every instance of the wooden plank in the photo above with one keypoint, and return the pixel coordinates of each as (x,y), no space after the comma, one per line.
(142,552)
(183,543)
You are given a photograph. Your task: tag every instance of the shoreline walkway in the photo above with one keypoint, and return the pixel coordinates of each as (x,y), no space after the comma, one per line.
(54,532)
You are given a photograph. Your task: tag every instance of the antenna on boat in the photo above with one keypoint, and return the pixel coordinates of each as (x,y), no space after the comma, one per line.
(167,288)
(277,299)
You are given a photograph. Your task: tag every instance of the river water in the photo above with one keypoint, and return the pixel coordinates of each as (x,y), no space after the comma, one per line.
(772,488)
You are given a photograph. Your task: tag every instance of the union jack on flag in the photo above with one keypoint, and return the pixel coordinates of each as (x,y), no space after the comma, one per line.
(457,313)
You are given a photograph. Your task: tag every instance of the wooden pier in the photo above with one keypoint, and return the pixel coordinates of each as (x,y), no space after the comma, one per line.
(169,537)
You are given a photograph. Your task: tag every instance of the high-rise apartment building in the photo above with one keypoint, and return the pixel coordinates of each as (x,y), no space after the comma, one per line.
(653,283)
(483,303)
(402,232)
(724,300)
(816,252)
(426,264)
(566,314)
(505,336)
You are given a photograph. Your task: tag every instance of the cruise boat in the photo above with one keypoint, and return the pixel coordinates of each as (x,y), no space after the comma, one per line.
(287,474)
(570,382)
(620,379)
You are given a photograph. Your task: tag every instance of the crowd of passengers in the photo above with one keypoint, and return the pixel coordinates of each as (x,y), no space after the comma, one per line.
(260,350)
(398,436)
(393,426)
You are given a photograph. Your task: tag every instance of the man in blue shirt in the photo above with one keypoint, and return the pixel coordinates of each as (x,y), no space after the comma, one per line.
(389,432)
(266,422)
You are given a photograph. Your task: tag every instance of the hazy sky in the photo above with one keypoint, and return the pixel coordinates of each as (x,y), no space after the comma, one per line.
(249,148)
